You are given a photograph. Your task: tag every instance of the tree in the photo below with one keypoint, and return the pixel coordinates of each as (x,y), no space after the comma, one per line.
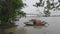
(50,4)
(9,9)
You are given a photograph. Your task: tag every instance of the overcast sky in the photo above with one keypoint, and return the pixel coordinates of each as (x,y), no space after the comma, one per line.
(31,9)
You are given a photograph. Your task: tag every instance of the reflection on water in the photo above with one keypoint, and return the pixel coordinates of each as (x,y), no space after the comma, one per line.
(32,30)
(38,27)
(22,31)
(35,27)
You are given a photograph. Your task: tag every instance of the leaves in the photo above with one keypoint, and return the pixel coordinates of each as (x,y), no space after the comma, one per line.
(46,12)
(58,0)
(21,13)
(50,4)
(8,10)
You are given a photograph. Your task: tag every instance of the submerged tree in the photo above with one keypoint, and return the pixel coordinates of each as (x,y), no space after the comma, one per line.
(9,9)
(48,5)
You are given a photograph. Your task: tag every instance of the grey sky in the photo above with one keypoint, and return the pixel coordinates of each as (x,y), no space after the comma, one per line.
(31,9)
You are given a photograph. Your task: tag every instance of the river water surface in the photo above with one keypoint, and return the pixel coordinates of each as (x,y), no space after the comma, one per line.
(53,28)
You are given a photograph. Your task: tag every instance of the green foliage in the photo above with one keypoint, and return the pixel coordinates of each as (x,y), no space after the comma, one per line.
(48,5)
(47,13)
(9,9)
(21,13)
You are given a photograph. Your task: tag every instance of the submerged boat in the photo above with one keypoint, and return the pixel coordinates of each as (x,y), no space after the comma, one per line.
(35,22)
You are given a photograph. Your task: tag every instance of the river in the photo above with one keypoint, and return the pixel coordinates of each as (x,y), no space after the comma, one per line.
(53,28)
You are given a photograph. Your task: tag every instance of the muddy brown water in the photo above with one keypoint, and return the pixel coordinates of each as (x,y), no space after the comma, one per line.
(53,28)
